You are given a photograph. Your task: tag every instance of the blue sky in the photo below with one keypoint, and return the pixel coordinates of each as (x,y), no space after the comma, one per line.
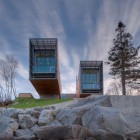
(84,28)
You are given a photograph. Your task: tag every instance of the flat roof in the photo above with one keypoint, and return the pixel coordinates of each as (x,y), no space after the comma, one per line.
(91,63)
(41,43)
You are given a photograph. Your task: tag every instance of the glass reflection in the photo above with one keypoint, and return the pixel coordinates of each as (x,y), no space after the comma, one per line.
(45,62)
(90,79)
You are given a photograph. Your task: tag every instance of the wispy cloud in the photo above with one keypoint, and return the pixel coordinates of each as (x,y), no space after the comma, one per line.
(23,72)
(85,30)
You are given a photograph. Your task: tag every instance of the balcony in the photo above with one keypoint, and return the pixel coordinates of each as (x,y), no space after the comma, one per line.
(44,69)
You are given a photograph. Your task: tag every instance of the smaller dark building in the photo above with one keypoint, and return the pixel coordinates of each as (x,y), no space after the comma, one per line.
(90,78)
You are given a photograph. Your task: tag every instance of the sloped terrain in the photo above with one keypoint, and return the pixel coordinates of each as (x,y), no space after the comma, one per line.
(91,118)
(32,102)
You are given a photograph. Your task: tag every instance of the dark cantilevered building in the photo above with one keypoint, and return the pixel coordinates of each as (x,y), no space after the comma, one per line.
(44,71)
(90,78)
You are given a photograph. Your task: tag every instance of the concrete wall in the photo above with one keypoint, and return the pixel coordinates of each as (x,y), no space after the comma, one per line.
(127,104)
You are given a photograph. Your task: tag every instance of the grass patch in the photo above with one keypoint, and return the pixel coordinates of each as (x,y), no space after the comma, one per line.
(32,102)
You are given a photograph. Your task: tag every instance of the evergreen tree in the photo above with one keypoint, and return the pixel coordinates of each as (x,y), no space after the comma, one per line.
(123,58)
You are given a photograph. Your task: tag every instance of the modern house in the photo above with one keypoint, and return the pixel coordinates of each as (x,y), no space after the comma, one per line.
(44,68)
(90,78)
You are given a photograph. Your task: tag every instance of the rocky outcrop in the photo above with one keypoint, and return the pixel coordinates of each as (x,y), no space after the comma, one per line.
(6,131)
(63,132)
(26,121)
(92,118)
(45,117)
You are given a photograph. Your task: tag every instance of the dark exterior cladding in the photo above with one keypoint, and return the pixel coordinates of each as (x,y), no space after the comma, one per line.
(90,78)
(44,69)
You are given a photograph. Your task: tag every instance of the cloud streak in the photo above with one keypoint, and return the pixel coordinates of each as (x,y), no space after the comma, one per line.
(85,30)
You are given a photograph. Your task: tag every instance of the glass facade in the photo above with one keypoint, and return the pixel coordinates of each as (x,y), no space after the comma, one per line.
(44,62)
(90,79)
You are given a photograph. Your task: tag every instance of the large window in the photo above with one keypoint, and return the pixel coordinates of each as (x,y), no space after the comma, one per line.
(45,61)
(90,79)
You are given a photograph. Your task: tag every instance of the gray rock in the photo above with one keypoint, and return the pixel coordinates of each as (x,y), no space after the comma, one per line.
(26,121)
(34,127)
(55,112)
(93,101)
(17,112)
(36,114)
(110,119)
(93,119)
(90,138)
(29,111)
(63,132)
(6,134)
(5,131)
(38,109)
(45,117)
(23,132)
(55,123)
(20,111)
(64,104)
(132,135)
(10,111)
(3,111)
(25,138)
(71,116)
(13,125)
(49,108)
(105,135)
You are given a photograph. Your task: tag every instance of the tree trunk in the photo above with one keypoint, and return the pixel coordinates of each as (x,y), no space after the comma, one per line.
(123,69)
(123,83)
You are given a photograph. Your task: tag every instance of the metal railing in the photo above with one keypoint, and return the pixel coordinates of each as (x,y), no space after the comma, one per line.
(44,69)
(91,86)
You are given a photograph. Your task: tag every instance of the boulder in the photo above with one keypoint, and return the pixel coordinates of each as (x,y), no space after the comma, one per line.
(17,112)
(34,127)
(71,116)
(10,112)
(46,117)
(90,138)
(105,135)
(133,135)
(36,114)
(6,134)
(110,119)
(93,101)
(13,124)
(63,132)
(29,111)
(55,123)
(93,119)
(38,109)
(3,111)
(26,121)
(5,131)
(25,138)
(49,108)
(23,132)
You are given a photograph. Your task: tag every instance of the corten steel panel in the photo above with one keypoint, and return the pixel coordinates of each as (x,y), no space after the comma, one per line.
(58,70)
(47,87)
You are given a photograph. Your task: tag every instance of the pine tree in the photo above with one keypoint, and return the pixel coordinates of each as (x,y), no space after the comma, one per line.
(123,58)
